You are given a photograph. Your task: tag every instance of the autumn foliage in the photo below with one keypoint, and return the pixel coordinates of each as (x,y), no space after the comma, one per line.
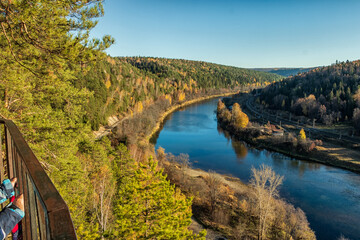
(302,135)
(238,118)
(329,94)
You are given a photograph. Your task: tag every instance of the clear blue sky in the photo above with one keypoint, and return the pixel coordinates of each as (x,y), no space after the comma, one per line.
(252,33)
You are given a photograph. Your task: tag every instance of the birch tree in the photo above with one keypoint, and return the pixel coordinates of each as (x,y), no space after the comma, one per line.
(265,183)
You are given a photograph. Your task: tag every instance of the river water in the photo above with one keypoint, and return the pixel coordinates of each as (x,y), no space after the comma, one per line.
(329,196)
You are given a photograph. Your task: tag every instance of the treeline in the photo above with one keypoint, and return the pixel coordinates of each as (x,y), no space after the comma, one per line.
(128,85)
(329,94)
(284,71)
(206,75)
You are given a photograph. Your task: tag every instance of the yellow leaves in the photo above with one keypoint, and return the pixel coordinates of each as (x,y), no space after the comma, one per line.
(148,102)
(238,118)
(107,80)
(108,84)
(111,60)
(169,98)
(244,205)
(357,97)
(311,97)
(182,73)
(220,105)
(138,108)
(302,135)
(181,96)
(138,81)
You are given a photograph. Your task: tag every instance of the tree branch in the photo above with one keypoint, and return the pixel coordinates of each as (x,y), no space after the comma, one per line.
(12,52)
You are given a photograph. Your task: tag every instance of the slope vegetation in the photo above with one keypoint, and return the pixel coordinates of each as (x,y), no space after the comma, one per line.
(128,85)
(286,72)
(329,94)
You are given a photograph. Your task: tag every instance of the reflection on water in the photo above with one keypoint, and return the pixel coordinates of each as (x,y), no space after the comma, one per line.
(239,146)
(329,196)
(240,149)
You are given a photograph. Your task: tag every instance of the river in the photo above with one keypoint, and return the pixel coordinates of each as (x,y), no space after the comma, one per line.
(329,196)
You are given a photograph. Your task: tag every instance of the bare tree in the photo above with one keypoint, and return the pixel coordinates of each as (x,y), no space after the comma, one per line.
(161,156)
(184,162)
(265,183)
(213,182)
(343,238)
(104,190)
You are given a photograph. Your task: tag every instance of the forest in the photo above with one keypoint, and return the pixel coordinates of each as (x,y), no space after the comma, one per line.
(329,94)
(286,72)
(125,85)
(58,85)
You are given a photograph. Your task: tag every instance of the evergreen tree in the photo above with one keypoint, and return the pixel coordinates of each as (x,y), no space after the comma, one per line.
(44,44)
(149,207)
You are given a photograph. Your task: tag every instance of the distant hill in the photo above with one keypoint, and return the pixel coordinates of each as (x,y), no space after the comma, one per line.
(329,94)
(286,72)
(125,84)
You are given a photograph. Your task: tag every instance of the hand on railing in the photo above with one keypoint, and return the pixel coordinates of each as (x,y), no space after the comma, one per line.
(14,211)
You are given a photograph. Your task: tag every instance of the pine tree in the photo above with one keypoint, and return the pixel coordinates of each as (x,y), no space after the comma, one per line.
(44,45)
(149,207)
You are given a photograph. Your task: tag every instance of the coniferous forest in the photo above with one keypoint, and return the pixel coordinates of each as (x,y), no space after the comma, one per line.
(58,85)
(329,94)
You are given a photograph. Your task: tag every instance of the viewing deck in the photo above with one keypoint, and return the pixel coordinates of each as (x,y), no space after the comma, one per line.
(46,214)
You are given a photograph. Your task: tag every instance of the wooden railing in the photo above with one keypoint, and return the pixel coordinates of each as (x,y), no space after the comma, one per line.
(46,213)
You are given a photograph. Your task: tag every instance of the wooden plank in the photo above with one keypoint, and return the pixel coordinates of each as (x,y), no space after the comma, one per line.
(20,190)
(17,173)
(41,215)
(8,151)
(57,216)
(60,231)
(32,209)
(2,168)
(1,160)
(13,160)
(27,229)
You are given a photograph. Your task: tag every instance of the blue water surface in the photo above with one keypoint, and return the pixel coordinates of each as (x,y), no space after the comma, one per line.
(329,196)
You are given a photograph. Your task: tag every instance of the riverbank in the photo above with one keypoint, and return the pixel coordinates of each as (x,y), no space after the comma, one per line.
(160,121)
(224,205)
(329,153)
(115,121)
(228,208)
(194,130)
(325,154)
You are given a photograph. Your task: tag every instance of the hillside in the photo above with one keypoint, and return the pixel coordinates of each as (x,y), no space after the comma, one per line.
(127,85)
(286,72)
(329,94)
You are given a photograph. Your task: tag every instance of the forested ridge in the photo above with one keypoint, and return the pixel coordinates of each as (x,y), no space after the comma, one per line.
(329,94)
(284,71)
(57,85)
(126,85)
